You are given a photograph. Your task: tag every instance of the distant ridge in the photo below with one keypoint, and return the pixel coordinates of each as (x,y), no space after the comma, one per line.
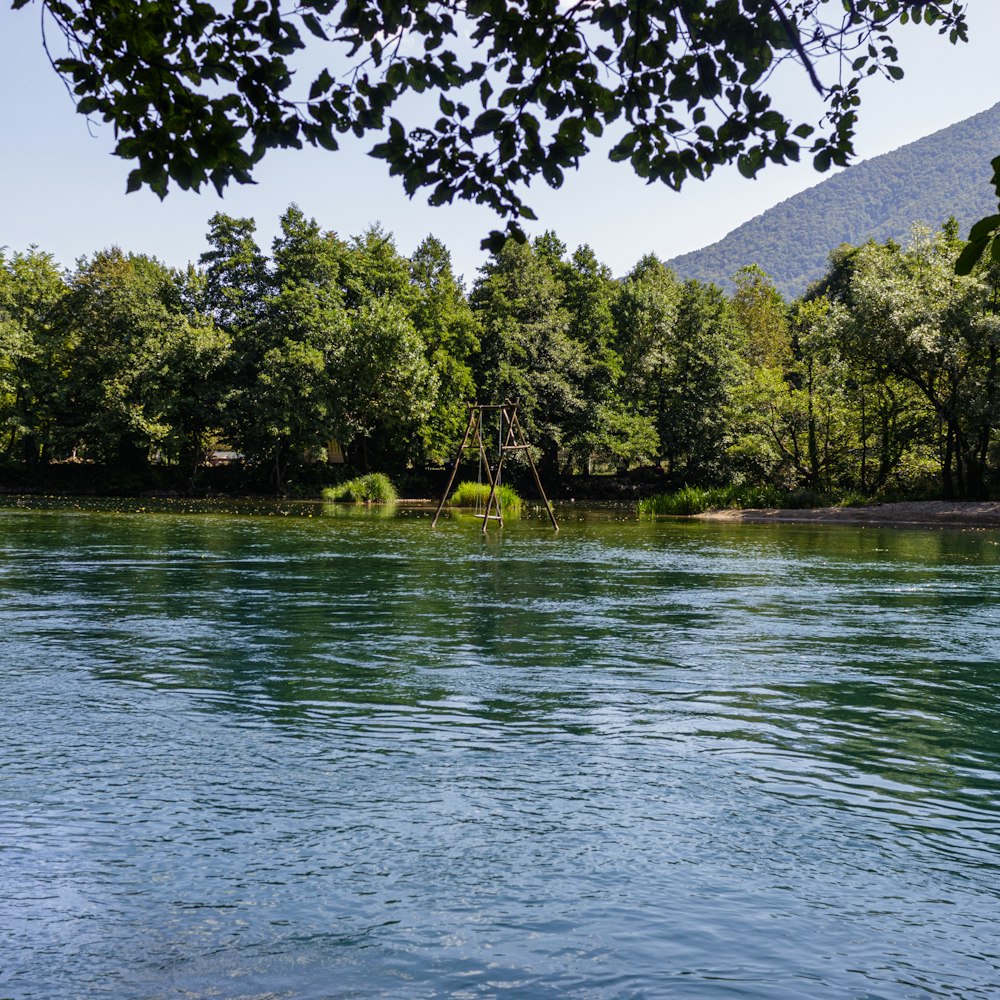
(947,173)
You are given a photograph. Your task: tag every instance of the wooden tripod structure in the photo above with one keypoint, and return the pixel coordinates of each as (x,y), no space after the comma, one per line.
(511,439)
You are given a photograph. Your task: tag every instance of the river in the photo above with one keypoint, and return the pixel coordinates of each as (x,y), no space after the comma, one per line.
(268,751)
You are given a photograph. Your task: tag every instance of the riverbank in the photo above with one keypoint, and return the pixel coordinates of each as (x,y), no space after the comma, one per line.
(916,513)
(83,479)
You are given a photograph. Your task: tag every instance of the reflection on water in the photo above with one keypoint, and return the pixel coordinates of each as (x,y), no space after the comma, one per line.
(288,754)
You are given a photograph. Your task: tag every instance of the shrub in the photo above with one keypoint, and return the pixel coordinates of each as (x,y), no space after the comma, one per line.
(470,494)
(689,500)
(696,500)
(373,488)
(853,499)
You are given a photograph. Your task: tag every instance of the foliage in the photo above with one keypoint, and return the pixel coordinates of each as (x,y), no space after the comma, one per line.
(677,348)
(761,313)
(795,414)
(387,386)
(199,93)
(886,377)
(985,234)
(527,354)
(697,499)
(605,431)
(943,174)
(698,383)
(445,322)
(122,320)
(193,390)
(645,314)
(374,487)
(470,494)
(32,353)
(289,327)
(905,314)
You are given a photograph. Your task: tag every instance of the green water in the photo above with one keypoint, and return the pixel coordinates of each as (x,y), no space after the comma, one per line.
(277,752)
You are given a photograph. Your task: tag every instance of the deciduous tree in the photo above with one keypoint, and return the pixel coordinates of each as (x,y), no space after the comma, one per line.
(445,322)
(32,353)
(527,354)
(907,312)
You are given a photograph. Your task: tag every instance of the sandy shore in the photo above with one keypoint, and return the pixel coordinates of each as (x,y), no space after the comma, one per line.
(927,513)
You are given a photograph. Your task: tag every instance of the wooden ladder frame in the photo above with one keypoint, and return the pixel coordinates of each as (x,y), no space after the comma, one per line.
(511,440)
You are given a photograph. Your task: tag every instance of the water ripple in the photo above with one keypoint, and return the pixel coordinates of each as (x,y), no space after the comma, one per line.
(300,757)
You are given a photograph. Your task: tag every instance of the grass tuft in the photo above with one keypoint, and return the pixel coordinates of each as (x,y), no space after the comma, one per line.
(469,494)
(373,488)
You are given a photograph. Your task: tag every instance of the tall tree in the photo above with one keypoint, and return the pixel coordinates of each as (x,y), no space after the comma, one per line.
(907,314)
(286,400)
(450,332)
(763,316)
(389,388)
(793,426)
(121,316)
(236,277)
(608,430)
(32,354)
(698,379)
(196,361)
(646,313)
(527,354)
(374,269)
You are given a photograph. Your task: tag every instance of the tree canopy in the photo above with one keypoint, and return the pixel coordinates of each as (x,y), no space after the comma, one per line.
(200,92)
(883,381)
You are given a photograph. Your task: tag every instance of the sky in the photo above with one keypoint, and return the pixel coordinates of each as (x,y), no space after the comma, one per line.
(64,191)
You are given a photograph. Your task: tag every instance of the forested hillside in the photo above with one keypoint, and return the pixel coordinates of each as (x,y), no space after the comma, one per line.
(928,181)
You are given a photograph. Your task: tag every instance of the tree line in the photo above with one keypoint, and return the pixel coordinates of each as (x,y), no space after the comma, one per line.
(881,380)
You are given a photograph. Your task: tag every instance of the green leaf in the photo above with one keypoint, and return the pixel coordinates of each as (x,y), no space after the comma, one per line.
(488,122)
(983,228)
(320,85)
(494,242)
(969,257)
(311,21)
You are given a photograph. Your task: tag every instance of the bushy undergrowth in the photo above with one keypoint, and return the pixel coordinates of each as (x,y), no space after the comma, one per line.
(470,494)
(697,499)
(373,488)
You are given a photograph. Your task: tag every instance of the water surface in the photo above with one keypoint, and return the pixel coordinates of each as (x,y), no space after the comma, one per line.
(285,754)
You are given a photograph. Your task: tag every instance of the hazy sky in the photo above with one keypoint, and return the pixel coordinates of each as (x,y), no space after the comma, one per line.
(64,191)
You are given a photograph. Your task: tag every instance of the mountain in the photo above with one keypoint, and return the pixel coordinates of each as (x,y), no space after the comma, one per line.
(947,173)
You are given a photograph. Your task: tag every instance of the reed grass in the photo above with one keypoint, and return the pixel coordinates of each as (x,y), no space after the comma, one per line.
(697,499)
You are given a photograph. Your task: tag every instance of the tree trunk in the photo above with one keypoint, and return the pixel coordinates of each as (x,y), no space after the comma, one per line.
(947,481)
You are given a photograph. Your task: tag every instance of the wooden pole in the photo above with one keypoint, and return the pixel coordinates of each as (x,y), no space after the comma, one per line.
(473,414)
(493,481)
(534,469)
(496,479)
(513,440)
